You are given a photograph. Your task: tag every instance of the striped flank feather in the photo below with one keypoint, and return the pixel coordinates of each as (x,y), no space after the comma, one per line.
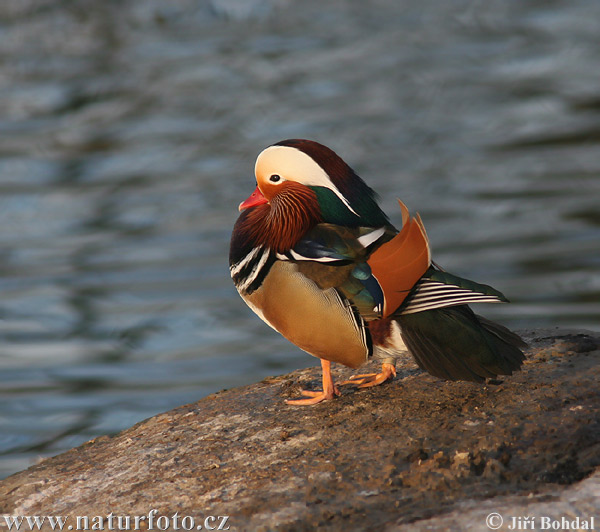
(430,294)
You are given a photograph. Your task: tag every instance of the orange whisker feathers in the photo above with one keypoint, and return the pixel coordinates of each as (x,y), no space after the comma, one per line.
(286,219)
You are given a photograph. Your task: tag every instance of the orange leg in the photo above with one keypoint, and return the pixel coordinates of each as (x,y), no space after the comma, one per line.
(330,390)
(367,380)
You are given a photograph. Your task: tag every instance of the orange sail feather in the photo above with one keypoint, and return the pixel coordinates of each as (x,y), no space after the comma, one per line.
(400,263)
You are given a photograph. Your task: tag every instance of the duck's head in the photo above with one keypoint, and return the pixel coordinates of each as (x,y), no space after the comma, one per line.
(303,174)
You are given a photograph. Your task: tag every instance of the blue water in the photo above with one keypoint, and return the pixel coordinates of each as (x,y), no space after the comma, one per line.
(128,133)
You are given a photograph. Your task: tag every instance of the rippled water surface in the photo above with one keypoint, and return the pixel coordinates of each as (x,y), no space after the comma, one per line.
(128,137)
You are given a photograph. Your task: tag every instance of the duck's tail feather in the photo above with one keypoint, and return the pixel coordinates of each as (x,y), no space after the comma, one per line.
(454,343)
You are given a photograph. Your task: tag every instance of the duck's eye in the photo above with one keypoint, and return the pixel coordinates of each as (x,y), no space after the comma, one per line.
(275,178)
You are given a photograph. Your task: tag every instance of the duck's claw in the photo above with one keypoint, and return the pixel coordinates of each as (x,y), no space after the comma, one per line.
(315,397)
(366,380)
(330,390)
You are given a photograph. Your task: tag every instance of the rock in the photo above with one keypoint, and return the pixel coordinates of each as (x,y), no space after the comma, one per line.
(417,453)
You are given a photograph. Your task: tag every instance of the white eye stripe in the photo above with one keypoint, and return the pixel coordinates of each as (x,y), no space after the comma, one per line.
(298,166)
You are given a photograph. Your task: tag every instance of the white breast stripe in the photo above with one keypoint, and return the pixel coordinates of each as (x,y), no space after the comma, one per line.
(255,271)
(237,268)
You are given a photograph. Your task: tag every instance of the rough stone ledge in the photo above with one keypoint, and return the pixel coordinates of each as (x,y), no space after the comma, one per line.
(414,454)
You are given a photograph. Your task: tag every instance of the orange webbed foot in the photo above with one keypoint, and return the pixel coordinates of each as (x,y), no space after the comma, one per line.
(315,397)
(330,390)
(367,380)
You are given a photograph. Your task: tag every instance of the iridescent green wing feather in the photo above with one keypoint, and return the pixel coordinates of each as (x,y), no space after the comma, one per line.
(335,256)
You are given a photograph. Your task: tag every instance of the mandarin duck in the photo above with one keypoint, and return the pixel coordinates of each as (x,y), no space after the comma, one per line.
(314,256)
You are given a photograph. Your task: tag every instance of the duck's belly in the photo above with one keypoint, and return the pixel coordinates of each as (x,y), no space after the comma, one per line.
(318,321)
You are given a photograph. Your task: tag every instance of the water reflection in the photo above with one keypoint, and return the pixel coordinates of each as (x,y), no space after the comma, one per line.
(127,146)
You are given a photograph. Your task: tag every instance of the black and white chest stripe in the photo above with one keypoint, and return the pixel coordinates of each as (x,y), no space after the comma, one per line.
(250,272)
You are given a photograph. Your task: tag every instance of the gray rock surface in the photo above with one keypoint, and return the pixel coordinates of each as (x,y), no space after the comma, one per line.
(414,454)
